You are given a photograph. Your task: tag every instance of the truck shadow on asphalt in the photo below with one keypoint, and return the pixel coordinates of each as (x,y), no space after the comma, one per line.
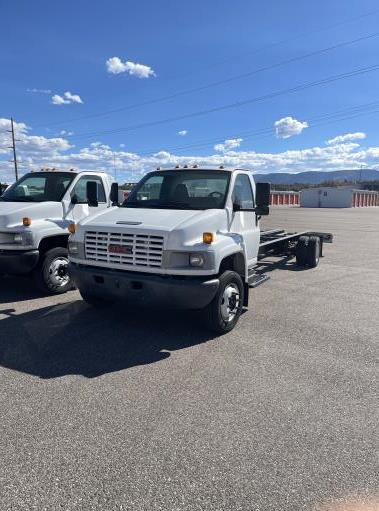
(73,338)
(274,263)
(17,289)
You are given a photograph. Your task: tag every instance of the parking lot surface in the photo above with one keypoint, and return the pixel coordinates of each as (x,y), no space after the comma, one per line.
(125,410)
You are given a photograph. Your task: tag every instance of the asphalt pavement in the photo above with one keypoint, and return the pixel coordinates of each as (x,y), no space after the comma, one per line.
(124,410)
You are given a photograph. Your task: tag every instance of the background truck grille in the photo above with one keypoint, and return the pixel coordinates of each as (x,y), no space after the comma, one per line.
(132,249)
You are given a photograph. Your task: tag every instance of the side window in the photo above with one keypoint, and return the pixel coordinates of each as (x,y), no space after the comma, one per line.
(80,189)
(242,192)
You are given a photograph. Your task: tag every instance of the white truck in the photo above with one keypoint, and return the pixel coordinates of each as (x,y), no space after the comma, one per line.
(187,238)
(34,216)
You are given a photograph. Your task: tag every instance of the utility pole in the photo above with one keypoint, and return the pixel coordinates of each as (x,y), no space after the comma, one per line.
(360,174)
(13,146)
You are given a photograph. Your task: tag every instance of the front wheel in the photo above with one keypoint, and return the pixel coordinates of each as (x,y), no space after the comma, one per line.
(51,275)
(225,309)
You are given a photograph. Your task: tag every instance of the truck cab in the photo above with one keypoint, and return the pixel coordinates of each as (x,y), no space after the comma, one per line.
(34,215)
(185,237)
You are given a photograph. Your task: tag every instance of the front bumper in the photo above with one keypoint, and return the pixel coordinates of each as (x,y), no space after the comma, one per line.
(17,262)
(143,289)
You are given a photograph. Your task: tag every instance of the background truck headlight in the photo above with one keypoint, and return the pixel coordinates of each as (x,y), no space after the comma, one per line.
(23,238)
(196,260)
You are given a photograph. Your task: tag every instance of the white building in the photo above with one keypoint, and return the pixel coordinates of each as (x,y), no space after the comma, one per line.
(342,197)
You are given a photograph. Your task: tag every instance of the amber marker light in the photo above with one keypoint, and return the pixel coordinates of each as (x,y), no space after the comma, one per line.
(208,237)
(71,228)
(26,221)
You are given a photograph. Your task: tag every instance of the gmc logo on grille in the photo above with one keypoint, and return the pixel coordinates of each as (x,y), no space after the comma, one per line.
(120,249)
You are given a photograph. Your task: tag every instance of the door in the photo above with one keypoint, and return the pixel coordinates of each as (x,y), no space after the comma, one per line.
(79,207)
(245,222)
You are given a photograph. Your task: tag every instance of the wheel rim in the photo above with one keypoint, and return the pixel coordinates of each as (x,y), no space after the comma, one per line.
(230,302)
(58,275)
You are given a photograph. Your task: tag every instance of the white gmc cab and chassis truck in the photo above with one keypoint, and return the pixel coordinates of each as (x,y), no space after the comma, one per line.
(186,238)
(34,215)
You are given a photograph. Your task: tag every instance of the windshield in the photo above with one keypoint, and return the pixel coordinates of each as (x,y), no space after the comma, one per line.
(181,189)
(39,187)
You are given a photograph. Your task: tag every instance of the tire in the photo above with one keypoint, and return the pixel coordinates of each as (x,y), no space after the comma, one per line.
(301,250)
(94,301)
(313,251)
(51,274)
(221,317)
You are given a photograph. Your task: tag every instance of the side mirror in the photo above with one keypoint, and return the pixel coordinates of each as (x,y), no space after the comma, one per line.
(114,194)
(92,194)
(262,198)
(74,199)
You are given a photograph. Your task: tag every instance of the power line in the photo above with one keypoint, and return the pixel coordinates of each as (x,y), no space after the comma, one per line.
(236,104)
(321,120)
(294,38)
(219,82)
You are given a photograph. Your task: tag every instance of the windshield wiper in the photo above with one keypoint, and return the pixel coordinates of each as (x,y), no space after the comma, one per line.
(157,204)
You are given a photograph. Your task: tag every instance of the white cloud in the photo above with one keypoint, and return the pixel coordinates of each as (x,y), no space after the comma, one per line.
(346,138)
(66,99)
(39,91)
(227,145)
(182,133)
(288,127)
(122,145)
(116,66)
(35,152)
(66,133)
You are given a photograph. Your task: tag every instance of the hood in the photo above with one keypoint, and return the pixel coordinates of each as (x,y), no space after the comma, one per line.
(141,218)
(180,227)
(12,213)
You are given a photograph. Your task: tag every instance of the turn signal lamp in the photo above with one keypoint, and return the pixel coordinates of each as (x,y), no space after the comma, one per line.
(71,228)
(208,237)
(26,221)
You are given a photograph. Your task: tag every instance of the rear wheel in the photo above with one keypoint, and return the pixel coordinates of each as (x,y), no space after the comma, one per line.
(51,275)
(301,250)
(225,309)
(313,251)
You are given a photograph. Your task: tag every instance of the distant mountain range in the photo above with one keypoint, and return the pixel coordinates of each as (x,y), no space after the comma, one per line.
(316,177)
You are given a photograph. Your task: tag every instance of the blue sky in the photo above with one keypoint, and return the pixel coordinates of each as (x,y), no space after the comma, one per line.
(56,82)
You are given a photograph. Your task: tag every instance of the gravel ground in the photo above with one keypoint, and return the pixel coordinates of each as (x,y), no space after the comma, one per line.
(118,410)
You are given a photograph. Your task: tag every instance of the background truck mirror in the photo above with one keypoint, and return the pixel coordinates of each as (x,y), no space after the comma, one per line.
(114,194)
(262,210)
(92,194)
(262,194)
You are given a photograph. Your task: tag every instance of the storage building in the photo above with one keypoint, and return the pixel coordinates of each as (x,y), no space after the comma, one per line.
(342,197)
(284,198)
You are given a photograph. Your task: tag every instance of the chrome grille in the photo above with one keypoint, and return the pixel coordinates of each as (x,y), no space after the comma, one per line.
(144,249)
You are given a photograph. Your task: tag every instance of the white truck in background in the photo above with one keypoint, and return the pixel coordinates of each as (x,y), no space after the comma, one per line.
(187,238)
(34,216)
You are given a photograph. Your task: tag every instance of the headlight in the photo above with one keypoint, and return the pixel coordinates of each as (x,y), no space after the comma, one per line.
(73,247)
(23,238)
(17,238)
(76,249)
(196,260)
